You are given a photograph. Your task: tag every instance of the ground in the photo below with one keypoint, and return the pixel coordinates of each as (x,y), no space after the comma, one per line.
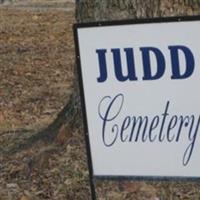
(36,71)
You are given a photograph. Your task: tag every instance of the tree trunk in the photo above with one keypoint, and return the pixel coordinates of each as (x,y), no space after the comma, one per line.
(96,10)
(5,1)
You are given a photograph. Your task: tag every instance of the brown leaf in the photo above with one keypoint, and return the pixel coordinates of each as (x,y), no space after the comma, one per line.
(35,17)
(130,187)
(25,198)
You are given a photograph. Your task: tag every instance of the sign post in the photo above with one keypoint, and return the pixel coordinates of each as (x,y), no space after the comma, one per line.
(138,82)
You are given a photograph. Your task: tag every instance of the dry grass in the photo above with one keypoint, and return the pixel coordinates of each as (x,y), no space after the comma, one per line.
(36,64)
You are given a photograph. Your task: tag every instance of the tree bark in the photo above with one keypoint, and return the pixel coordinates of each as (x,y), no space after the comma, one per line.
(96,10)
(5,1)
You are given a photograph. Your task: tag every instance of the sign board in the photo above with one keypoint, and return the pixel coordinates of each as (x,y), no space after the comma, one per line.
(139,84)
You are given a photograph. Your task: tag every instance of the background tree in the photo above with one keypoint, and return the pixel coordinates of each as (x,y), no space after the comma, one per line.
(5,1)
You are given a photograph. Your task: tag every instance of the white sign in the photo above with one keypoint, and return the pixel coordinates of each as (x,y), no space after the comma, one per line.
(142,100)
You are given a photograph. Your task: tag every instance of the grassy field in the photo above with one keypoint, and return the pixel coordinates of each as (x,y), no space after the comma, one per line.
(36,71)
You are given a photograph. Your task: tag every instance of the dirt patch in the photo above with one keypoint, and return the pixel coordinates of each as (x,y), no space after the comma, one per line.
(36,71)
(36,63)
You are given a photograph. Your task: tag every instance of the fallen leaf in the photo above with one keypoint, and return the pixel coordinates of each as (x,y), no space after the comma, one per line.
(25,198)
(35,17)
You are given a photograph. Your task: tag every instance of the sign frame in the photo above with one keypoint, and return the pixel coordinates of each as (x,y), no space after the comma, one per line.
(82,95)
